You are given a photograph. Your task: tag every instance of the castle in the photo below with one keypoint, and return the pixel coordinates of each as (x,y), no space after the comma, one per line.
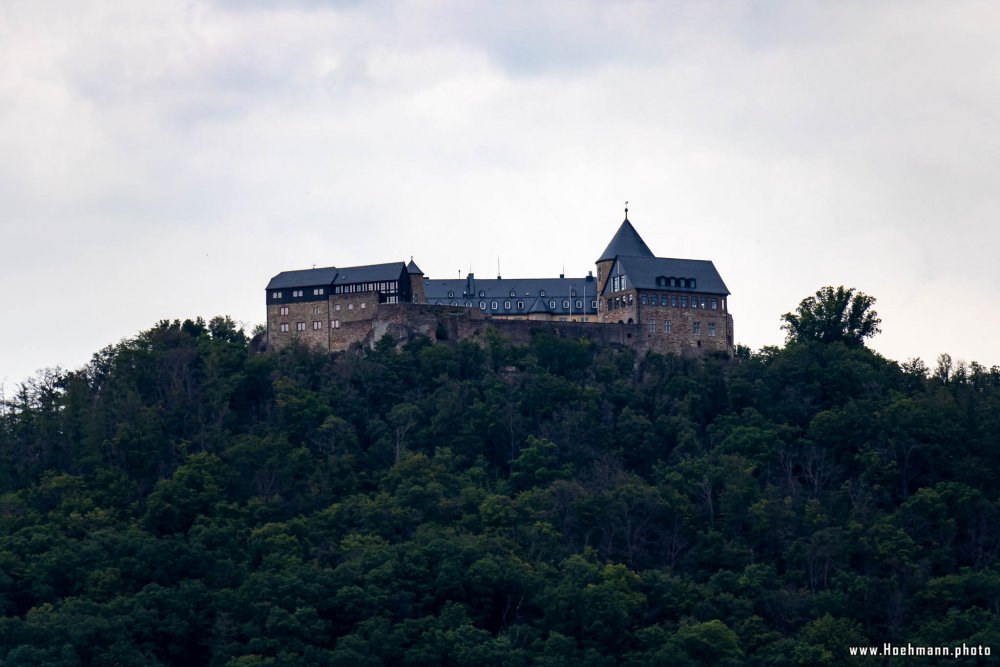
(636,299)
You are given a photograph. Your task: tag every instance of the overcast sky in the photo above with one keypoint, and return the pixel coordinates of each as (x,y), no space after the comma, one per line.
(162,159)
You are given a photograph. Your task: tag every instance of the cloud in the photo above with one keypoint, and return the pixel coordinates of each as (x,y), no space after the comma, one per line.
(169,158)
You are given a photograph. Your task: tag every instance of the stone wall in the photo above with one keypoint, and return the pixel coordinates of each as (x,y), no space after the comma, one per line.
(406,321)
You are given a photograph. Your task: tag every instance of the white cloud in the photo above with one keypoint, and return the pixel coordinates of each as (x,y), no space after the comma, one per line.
(163,160)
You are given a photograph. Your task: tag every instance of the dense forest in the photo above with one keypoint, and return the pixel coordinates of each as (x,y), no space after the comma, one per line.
(183,501)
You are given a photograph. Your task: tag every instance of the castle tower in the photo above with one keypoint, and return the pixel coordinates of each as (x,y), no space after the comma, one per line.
(416,283)
(626,241)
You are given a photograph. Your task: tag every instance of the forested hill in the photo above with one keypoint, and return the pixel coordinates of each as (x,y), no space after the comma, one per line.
(180,501)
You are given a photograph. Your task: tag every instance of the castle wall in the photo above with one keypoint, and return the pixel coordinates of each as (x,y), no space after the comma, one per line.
(305,321)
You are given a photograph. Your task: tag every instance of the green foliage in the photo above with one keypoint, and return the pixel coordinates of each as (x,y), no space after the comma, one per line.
(181,500)
(834,314)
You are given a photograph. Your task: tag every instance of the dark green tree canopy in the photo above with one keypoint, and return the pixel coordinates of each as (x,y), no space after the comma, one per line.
(833,314)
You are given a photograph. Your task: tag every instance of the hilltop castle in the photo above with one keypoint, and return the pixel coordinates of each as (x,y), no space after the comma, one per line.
(637,299)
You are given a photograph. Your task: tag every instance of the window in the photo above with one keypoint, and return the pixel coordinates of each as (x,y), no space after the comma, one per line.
(275,295)
(315,310)
(715,304)
(283,310)
(642,299)
(450,294)
(624,286)
(481,294)
(614,284)
(684,302)
(697,328)
(565,303)
(284,326)
(673,300)
(494,305)
(318,291)
(334,324)
(300,326)
(593,304)
(520,305)
(652,327)
(296,292)
(513,293)
(666,326)
(482,305)
(711,328)
(336,307)
(317,325)
(552,304)
(704,303)
(579,304)
(350,306)
(694,302)
(506,305)
(541,292)
(363,304)
(723,304)
(468,304)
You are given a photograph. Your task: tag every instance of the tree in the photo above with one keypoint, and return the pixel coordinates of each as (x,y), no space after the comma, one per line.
(833,314)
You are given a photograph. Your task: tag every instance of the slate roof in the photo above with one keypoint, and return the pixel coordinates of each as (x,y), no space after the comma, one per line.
(413,268)
(626,241)
(642,273)
(332,275)
(303,278)
(369,273)
(535,293)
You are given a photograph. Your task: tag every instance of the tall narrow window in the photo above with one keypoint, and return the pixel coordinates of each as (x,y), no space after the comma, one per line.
(283,310)
(317,325)
(697,328)
(711,328)
(300,326)
(666,326)
(283,326)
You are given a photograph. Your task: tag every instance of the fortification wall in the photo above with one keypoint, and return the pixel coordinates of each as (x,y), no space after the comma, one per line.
(406,321)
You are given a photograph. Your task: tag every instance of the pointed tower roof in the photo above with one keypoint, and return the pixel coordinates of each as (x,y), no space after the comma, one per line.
(626,241)
(413,268)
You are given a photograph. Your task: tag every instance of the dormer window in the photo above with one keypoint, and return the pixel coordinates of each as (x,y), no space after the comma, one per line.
(513,293)
(541,292)
(451,293)
(481,294)
(624,283)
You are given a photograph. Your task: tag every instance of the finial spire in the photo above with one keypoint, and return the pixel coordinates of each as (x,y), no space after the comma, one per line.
(626,209)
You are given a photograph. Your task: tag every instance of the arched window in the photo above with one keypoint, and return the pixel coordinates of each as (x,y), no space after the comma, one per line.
(513,293)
